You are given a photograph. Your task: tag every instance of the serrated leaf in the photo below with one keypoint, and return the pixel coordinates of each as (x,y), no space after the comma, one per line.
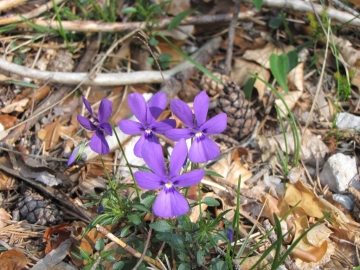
(100,244)
(258,4)
(199,257)
(178,18)
(210,201)
(134,218)
(279,66)
(162,226)
(149,200)
(211,173)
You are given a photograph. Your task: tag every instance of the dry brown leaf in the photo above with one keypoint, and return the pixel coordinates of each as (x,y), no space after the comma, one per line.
(176,7)
(4,215)
(290,99)
(8,121)
(17,106)
(62,232)
(13,259)
(261,56)
(242,71)
(312,148)
(309,202)
(6,182)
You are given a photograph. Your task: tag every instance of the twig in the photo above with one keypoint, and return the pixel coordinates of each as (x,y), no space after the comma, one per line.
(117,27)
(7,4)
(229,51)
(146,245)
(304,6)
(127,248)
(223,254)
(346,8)
(32,14)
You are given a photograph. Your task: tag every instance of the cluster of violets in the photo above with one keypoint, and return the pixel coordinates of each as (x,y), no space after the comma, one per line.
(170,202)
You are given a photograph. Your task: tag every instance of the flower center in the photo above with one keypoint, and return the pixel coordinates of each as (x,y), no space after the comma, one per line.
(198,134)
(148,133)
(168,185)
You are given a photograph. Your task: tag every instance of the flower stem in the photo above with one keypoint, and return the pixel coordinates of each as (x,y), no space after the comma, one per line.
(128,165)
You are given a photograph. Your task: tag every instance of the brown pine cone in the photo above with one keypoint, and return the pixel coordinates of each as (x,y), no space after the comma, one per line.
(35,209)
(241,117)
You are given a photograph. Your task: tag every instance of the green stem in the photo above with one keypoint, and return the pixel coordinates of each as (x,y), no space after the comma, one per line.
(111,183)
(128,165)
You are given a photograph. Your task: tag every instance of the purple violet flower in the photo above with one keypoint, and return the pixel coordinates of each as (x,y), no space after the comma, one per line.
(170,202)
(147,115)
(230,234)
(98,142)
(203,148)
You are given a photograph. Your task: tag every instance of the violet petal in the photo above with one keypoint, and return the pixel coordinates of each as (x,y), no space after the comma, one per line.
(203,149)
(156,106)
(183,112)
(131,127)
(177,134)
(99,144)
(178,157)
(106,127)
(86,123)
(170,203)
(138,106)
(105,110)
(148,180)
(88,107)
(215,125)
(144,138)
(201,106)
(153,156)
(72,157)
(188,179)
(163,126)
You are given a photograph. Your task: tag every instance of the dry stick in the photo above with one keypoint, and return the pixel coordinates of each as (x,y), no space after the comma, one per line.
(32,14)
(117,27)
(127,248)
(304,6)
(229,51)
(146,245)
(7,4)
(346,8)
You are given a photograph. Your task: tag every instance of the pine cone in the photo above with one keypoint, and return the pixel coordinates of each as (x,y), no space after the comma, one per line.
(35,209)
(241,117)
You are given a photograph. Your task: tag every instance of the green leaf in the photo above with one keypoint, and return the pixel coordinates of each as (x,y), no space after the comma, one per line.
(184,266)
(258,4)
(211,173)
(134,218)
(200,257)
(275,23)
(249,87)
(164,57)
(149,200)
(210,201)
(162,226)
(279,66)
(293,59)
(153,41)
(100,244)
(105,255)
(141,207)
(24,84)
(178,18)
(128,10)
(125,231)
(118,265)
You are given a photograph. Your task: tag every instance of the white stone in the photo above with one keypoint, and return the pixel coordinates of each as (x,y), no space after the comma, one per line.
(347,121)
(345,200)
(338,171)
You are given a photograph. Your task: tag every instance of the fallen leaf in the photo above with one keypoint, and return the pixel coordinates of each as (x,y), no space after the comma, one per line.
(13,260)
(4,215)
(62,232)
(8,121)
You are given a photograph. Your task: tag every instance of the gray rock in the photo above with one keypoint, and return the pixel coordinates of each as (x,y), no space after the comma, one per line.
(345,200)
(347,121)
(338,171)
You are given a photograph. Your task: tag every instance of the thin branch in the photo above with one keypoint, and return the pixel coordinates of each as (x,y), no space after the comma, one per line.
(304,6)
(229,51)
(127,248)
(117,27)
(7,4)
(32,14)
